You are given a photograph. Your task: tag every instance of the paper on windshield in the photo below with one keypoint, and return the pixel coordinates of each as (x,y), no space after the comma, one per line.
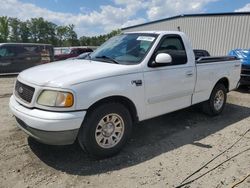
(146,38)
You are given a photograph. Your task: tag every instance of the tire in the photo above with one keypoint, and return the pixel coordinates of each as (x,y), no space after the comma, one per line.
(105,130)
(216,103)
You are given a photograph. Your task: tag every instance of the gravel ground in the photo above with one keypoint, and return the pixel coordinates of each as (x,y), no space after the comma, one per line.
(162,152)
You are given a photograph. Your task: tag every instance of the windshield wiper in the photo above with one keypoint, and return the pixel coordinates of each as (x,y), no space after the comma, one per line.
(108,58)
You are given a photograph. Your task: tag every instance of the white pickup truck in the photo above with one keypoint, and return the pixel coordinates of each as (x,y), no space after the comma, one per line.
(131,77)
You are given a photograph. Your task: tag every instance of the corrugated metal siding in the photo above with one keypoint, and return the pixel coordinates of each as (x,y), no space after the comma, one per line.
(217,34)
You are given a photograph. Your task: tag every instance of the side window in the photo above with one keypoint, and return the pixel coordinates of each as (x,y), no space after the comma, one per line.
(81,51)
(72,51)
(29,51)
(2,51)
(7,51)
(21,51)
(75,51)
(174,46)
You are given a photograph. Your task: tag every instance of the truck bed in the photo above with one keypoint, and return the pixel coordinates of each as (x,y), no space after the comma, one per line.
(209,70)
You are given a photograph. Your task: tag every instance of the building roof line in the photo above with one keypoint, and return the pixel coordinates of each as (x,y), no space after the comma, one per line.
(189,15)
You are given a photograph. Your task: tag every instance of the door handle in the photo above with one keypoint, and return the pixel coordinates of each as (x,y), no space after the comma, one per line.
(237,65)
(189,73)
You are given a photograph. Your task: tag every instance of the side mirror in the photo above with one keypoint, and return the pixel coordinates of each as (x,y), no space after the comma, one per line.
(163,58)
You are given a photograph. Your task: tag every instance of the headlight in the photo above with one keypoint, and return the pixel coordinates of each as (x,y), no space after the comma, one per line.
(55,98)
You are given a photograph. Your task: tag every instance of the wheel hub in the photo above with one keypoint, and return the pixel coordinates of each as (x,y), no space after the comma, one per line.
(109,130)
(219,100)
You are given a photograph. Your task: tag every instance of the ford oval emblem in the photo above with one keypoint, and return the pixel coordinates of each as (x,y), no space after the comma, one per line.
(20,90)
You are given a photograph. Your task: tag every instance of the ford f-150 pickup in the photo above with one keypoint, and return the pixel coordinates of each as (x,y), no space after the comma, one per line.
(131,77)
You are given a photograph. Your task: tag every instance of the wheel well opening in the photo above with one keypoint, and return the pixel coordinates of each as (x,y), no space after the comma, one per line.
(225,82)
(118,99)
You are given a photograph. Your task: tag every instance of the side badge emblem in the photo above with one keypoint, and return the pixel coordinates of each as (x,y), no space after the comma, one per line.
(136,82)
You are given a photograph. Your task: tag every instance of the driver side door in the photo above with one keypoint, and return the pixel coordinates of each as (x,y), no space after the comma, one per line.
(169,87)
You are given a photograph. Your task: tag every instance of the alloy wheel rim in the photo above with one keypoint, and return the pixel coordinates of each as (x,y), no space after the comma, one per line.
(109,130)
(219,100)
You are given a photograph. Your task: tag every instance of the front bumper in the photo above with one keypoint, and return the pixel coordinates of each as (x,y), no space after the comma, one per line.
(55,128)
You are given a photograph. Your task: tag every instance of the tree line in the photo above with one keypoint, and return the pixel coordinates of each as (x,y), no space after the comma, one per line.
(38,30)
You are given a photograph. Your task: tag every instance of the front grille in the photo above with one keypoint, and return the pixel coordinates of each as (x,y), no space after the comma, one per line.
(24,92)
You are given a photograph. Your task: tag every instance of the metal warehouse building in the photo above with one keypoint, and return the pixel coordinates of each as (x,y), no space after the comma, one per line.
(218,33)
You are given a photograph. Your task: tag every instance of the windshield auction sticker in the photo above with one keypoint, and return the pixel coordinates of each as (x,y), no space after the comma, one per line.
(146,38)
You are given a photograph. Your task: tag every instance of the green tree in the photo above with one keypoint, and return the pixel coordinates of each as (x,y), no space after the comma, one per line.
(97,40)
(25,31)
(51,33)
(33,27)
(71,36)
(38,30)
(83,41)
(61,32)
(15,35)
(40,27)
(42,31)
(4,29)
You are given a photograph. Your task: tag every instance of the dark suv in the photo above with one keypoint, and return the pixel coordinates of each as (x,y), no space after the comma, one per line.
(15,57)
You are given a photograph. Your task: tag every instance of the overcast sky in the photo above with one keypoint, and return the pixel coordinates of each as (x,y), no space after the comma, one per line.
(94,17)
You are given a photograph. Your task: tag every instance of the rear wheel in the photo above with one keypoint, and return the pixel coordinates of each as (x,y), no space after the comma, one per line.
(106,130)
(215,104)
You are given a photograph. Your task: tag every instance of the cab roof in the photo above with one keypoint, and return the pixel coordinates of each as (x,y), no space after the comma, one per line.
(157,32)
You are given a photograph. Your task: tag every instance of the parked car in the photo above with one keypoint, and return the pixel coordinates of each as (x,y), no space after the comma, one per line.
(244,56)
(73,52)
(131,77)
(16,57)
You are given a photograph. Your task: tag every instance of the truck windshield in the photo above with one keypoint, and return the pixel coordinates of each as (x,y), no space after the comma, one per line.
(125,48)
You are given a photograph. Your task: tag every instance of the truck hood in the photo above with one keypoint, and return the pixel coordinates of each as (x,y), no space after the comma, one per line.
(71,72)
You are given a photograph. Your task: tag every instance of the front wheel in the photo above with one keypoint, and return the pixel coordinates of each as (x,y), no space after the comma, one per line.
(106,130)
(216,103)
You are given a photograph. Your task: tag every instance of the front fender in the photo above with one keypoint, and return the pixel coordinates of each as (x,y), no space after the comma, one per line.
(88,93)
